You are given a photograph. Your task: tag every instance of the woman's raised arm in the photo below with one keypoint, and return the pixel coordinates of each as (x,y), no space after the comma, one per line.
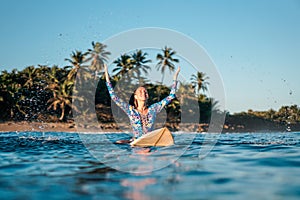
(123,105)
(106,73)
(176,73)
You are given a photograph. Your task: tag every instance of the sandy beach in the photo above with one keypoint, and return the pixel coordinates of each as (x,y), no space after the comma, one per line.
(73,127)
(229,126)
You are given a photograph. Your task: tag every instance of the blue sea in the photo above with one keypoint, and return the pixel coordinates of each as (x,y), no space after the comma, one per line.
(57,165)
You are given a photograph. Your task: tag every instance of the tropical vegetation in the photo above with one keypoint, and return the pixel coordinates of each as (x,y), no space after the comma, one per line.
(44,93)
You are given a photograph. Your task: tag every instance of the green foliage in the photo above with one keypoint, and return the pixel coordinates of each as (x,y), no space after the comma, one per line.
(130,67)
(199,82)
(48,93)
(285,114)
(166,60)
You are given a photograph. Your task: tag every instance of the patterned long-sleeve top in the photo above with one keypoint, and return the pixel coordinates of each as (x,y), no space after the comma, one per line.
(142,124)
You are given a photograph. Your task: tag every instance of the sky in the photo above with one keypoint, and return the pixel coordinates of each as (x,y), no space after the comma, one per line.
(254,44)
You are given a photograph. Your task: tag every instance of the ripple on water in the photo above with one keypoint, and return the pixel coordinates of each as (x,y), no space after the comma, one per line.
(240,166)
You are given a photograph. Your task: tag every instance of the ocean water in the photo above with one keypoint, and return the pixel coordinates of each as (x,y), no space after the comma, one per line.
(52,165)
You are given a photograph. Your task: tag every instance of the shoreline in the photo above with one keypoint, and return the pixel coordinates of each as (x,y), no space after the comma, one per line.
(25,126)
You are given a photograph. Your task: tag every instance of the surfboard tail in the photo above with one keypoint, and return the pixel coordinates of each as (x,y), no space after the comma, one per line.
(160,137)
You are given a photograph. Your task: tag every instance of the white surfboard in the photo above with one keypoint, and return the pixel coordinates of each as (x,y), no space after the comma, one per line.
(161,137)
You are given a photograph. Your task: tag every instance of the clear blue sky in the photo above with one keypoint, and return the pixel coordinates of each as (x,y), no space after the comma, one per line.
(255,44)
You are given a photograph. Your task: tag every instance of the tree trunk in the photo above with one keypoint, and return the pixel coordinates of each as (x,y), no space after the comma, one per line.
(62,112)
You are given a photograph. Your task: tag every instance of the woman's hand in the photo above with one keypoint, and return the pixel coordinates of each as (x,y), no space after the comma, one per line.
(176,73)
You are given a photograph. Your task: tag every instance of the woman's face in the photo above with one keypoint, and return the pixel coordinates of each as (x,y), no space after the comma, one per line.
(141,94)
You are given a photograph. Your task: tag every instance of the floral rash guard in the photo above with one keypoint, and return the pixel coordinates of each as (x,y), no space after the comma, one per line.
(141,124)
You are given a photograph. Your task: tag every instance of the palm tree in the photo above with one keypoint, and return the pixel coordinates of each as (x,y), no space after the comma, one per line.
(9,93)
(42,74)
(98,56)
(185,89)
(166,60)
(7,79)
(123,65)
(62,97)
(55,77)
(29,76)
(139,60)
(77,59)
(43,69)
(12,93)
(199,82)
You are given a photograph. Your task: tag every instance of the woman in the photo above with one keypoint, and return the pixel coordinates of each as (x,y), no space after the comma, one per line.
(142,116)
